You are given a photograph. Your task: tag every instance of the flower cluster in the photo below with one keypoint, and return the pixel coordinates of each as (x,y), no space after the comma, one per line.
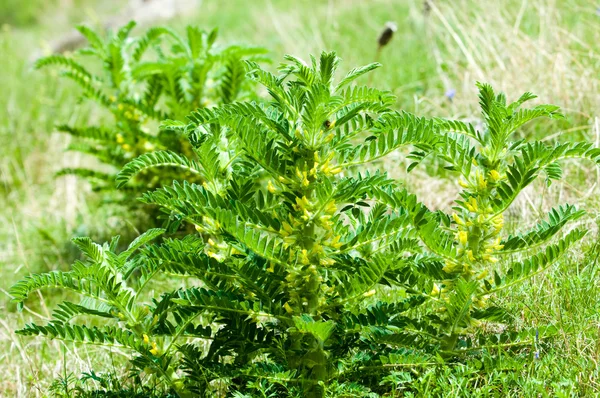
(478,226)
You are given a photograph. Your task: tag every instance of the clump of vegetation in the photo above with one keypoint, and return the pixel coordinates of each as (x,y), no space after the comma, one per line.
(141,81)
(312,275)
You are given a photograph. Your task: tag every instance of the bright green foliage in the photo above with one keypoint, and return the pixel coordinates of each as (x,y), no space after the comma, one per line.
(141,81)
(312,275)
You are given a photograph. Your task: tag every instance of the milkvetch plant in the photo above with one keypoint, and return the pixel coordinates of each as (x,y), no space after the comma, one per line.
(141,81)
(312,274)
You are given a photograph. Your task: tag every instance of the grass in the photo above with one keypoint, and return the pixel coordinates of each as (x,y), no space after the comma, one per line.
(544,46)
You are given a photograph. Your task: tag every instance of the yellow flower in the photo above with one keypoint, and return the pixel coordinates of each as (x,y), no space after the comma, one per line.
(271,187)
(457,219)
(494,175)
(470,255)
(370,293)
(146,339)
(330,208)
(329,138)
(471,205)
(435,291)
(301,203)
(463,183)
(154,350)
(482,183)
(325,221)
(326,262)
(126,147)
(120,138)
(335,242)
(482,275)
(288,308)
(304,257)
(463,237)
(305,181)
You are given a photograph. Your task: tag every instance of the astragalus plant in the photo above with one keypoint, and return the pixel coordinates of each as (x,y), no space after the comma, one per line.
(312,275)
(140,81)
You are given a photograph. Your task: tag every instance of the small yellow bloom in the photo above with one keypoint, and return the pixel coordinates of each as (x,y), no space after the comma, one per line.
(126,147)
(370,293)
(329,138)
(473,202)
(482,275)
(154,350)
(457,219)
(271,187)
(463,183)
(481,182)
(463,237)
(470,255)
(326,262)
(335,242)
(494,175)
(120,138)
(301,203)
(288,308)
(304,257)
(330,208)
(305,181)
(146,339)
(435,291)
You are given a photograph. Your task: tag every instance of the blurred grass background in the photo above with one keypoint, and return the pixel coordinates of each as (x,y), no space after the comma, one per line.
(549,47)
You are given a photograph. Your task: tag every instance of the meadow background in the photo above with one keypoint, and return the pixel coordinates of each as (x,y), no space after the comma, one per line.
(548,47)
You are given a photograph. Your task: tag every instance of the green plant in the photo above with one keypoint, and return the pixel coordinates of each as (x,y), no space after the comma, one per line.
(313,276)
(141,81)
